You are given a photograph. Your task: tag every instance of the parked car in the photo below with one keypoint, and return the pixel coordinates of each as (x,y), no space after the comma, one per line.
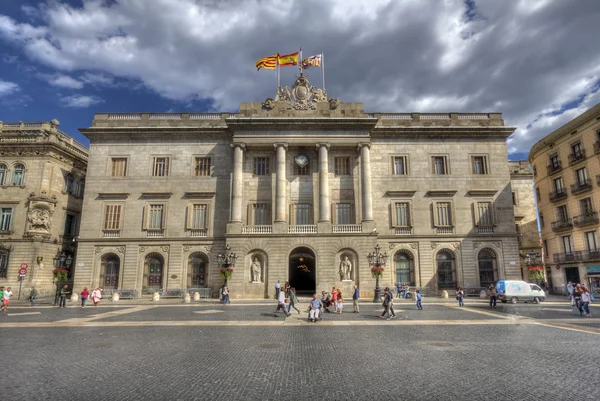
(515,291)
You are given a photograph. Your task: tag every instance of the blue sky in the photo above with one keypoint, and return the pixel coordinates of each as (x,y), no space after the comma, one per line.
(536,61)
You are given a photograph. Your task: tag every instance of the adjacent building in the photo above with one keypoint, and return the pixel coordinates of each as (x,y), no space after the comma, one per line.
(42,179)
(301,188)
(566,174)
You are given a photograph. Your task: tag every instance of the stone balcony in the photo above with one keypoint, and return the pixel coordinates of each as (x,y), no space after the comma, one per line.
(562,225)
(586,219)
(577,157)
(557,195)
(555,167)
(577,256)
(581,186)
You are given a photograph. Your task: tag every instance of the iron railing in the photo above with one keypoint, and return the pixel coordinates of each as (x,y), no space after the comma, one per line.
(581,186)
(586,219)
(562,225)
(576,157)
(554,167)
(559,194)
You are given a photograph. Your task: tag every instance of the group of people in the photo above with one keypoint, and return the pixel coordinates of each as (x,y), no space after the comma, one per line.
(402,290)
(580,297)
(224,295)
(5,296)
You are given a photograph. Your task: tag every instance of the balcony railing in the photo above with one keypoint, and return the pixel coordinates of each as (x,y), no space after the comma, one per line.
(533,261)
(558,194)
(581,186)
(262,229)
(199,232)
(564,257)
(577,256)
(576,157)
(302,229)
(562,225)
(585,256)
(155,233)
(111,233)
(554,167)
(586,219)
(403,231)
(347,228)
(444,230)
(485,229)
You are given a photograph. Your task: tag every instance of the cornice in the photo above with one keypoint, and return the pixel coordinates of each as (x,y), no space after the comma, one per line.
(450,131)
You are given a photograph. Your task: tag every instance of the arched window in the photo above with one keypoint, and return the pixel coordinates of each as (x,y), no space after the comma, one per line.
(109,271)
(446,267)
(153,271)
(80,188)
(196,274)
(486,260)
(405,268)
(69,184)
(18,175)
(2,173)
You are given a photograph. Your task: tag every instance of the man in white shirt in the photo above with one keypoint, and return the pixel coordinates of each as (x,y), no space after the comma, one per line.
(6,299)
(281,304)
(315,308)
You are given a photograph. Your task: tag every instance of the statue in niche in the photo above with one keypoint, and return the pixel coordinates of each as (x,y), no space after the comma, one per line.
(256,271)
(39,219)
(345,268)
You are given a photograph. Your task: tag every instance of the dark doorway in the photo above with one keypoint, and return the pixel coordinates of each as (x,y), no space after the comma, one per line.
(572,274)
(302,271)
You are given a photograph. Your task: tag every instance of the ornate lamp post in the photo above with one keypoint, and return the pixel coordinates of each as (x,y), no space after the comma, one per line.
(62,266)
(377,262)
(227,261)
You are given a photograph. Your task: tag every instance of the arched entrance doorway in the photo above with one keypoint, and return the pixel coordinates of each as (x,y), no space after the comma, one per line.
(302,275)
(109,271)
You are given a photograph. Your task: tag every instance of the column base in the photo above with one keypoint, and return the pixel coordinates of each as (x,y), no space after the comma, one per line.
(368,226)
(234,228)
(324,227)
(280,227)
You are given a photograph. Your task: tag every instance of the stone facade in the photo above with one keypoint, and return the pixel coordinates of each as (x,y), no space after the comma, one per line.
(298,186)
(566,176)
(42,176)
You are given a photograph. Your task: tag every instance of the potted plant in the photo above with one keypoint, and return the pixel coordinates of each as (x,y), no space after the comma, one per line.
(226,272)
(377,271)
(60,274)
(536,273)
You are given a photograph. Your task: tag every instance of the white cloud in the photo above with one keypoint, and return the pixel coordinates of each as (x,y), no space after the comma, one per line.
(63,81)
(97,79)
(80,101)
(6,88)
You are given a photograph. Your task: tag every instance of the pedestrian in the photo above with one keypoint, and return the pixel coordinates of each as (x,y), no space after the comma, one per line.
(96,296)
(225,295)
(62,299)
(419,297)
(293,301)
(325,301)
(387,297)
(286,289)
(84,296)
(1,298)
(392,311)
(340,302)
(399,290)
(277,289)
(577,292)
(405,289)
(585,300)
(6,296)
(32,296)
(334,297)
(460,296)
(493,296)
(315,308)
(281,304)
(355,298)
(570,289)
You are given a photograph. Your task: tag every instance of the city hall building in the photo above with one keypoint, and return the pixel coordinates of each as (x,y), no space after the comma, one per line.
(301,188)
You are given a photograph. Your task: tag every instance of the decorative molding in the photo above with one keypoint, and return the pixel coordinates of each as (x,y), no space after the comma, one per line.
(157,194)
(186,248)
(98,249)
(482,192)
(434,245)
(165,248)
(114,195)
(199,194)
(414,245)
(392,246)
(208,248)
(441,193)
(143,248)
(400,194)
(456,245)
(121,249)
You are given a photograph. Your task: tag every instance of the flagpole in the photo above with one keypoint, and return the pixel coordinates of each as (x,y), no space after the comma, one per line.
(278,74)
(323,69)
(300,62)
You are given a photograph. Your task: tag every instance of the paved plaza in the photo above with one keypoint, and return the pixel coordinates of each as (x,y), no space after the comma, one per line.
(242,352)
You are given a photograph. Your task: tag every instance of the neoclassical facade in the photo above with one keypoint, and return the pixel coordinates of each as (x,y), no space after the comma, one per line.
(301,189)
(42,179)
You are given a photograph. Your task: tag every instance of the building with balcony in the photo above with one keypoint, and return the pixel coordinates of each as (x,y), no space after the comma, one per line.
(568,198)
(42,179)
(301,188)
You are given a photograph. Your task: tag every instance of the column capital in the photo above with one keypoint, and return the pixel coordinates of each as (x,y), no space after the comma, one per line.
(281,144)
(238,145)
(318,145)
(363,144)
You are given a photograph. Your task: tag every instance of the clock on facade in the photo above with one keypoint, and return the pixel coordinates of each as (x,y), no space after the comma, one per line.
(301,160)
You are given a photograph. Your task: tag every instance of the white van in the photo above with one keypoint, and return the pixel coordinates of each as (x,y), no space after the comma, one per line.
(515,291)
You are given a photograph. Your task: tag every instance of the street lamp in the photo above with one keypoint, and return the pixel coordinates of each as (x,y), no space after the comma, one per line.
(377,263)
(227,261)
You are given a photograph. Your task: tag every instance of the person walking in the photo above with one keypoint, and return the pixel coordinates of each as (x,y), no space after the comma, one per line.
(387,297)
(399,289)
(570,289)
(340,302)
(84,296)
(460,296)
(293,300)
(586,298)
(334,298)
(355,297)
(577,292)
(96,296)
(225,295)
(392,311)
(62,299)
(419,298)
(277,289)
(32,296)
(315,307)
(493,296)
(325,301)
(6,296)
(281,304)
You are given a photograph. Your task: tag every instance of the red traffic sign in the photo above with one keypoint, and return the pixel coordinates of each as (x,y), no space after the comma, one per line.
(24,266)
(23,272)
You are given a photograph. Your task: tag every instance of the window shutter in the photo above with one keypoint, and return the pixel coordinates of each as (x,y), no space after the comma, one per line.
(206,215)
(451,213)
(292,214)
(190,215)
(333,213)
(492,214)
(146,216)
(475,208)
(163,223)
(352,214)
(250,214)
(393,214)
(436,222)
(311,214)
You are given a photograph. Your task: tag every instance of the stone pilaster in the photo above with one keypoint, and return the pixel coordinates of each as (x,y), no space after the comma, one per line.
(365,176)
(237,187)
(280,198)
(324,201)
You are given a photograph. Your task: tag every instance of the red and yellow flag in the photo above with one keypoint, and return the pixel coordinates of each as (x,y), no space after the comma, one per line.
(288,59)
(268,63)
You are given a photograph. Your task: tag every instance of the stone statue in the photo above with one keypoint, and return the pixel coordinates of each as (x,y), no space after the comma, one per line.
(318,95)
(39,219)
(345,268)
(268,104)
(256,271)
(334,103)
(283,94)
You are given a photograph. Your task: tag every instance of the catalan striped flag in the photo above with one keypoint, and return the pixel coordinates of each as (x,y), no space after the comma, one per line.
(312,61)
(268,63)
(288,59)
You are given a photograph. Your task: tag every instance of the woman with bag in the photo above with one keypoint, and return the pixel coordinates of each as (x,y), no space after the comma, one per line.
(84,296)
(96,296)
(293,300)
(586,298)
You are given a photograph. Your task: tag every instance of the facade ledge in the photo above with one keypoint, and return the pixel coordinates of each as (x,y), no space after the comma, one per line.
(199,194)
(400,194)
(441,193)
(157,194)
(113,195)
(482,192)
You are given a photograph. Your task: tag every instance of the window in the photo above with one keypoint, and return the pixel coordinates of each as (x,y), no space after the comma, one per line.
(519,235)
(261,166)
(484,214)
(112,217)
(487,267)
(566,242)
(405,268)
(69,183)
(515,199)
(446,267)
(70,225)
(534,171)
(2,174)
(342,165)
(80,188)
(562,214)
(442,214)
(585,206)
(18,175)
(197,216)
(537,194)
(161,167)
(554,161)
(119,167)
(598,134)
(260,214)
(196,274)
(479,164)
(545,247)
(399,165)
(591,241)
(6,218)
(109,271)
(202,168)
(302,214)
(439,165)
(581,176)
(401,214)
(153,271)
(302,170)
(541,220)
(559,185)
(576,149)
(4,254)
(343,213)
(155,216)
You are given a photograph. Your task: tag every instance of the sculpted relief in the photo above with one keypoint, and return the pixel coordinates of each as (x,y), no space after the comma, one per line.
(301,96)
(39,220)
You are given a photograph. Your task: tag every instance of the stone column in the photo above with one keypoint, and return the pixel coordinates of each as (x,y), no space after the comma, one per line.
(280,198)
(237,186)
(324,202)
(365,184)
